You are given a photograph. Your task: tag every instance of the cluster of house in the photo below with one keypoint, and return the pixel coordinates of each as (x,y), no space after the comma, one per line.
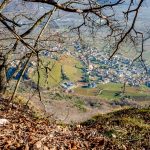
(97,68)
(68,86)
(119,69)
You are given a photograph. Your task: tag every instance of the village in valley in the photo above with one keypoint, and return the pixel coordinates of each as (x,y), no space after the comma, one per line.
(119,69)
(96,68)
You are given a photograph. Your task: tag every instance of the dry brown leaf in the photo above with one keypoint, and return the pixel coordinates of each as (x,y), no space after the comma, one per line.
(26,147)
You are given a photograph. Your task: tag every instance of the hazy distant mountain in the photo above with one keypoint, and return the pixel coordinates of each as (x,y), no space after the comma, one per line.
(106,1)
(67,18)
(145,3)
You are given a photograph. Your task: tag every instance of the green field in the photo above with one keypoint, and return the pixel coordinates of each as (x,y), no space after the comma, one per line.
(110,91)
(70,67)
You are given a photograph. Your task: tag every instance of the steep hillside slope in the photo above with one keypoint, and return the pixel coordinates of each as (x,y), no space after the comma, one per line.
(125,129)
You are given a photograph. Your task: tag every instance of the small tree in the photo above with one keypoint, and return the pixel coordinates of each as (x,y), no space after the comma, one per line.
(63,74)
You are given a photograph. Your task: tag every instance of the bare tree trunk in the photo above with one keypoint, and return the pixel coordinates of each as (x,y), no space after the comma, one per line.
(124,88)
(3,80)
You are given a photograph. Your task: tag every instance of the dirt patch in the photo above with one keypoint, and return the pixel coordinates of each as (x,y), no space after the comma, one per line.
(68,112)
